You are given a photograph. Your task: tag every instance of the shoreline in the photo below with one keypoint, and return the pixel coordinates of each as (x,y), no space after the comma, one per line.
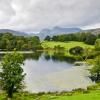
(4,52)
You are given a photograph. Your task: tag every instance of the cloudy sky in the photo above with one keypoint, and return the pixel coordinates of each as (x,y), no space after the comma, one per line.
(34,15)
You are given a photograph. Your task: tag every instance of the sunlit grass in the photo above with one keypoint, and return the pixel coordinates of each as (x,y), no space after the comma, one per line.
(92,95)
(66,45)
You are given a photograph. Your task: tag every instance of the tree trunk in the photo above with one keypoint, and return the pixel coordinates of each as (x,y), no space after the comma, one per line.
(10,93)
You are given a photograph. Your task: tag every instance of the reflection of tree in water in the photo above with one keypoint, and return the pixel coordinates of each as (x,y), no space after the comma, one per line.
(58,56)
(47,55)
(55,56)
(34,56)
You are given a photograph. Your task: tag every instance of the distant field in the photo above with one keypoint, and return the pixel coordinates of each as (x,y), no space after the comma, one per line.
(66,45)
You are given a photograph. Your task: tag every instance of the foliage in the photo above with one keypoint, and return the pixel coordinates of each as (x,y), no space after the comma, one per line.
(9,42)
(85,37)
(47,38)
(94,86)
(89,53)
(76,50)
(11,76)
(97,45)
(90,39)
(95,71)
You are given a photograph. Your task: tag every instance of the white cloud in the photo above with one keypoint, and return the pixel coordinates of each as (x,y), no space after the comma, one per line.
(33,15)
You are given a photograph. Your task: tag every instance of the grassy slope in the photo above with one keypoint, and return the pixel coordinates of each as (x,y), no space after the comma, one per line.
(66,45)
(93,95)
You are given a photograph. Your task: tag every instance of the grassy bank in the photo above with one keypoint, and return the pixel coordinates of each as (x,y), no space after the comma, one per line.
(50,46)
(66,45)
(87,95)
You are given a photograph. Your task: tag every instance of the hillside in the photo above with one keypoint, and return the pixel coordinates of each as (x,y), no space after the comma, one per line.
(50,32)
(17,33)
(94,31)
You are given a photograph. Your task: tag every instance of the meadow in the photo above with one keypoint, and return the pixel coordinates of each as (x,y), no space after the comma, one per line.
(91,95)
(66,45)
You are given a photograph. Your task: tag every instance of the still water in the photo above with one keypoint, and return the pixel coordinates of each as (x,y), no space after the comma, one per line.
(53,72)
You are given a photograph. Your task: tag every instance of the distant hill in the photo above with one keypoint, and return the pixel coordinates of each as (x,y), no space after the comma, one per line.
(17,33)
(93,31)
(57,31)
(50,32)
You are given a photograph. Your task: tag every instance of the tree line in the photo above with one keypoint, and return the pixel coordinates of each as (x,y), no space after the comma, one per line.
(10,42)
(86,37)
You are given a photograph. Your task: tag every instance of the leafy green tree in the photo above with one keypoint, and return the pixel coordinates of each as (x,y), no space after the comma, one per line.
(11,76)
(55,38)
(47,38)
(97,45)
(88,53)
(95,71)
(90,39)
(9,42)
(76,50)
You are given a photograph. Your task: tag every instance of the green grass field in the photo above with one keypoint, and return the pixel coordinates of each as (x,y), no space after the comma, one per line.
(66,45)
(93,95)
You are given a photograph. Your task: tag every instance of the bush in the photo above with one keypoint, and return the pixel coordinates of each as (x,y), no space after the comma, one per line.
(76,50)
(97,45)
(93,87)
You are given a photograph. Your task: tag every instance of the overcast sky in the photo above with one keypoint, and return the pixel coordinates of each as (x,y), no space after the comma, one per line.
(34,15)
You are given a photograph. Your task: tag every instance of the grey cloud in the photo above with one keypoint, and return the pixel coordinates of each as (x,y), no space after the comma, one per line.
(6,11)
(33,15)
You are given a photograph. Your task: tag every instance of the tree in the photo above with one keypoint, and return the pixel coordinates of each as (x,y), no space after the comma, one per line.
(55,38)
(47,38)
(9,42)
(11,77)
(95,71)
(97,45)
(88,53)
(76,50)
(90,39)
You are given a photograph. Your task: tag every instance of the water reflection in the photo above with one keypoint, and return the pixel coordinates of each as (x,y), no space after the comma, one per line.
(55,56)
(52,71)
(34,55)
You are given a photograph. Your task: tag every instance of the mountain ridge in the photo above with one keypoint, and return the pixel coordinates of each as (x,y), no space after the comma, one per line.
(57,31)
(51,32)
(17,33)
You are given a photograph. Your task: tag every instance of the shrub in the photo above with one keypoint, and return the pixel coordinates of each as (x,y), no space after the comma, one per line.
(76,50)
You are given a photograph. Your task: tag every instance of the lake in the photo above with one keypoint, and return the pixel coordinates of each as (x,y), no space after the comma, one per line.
(53,72)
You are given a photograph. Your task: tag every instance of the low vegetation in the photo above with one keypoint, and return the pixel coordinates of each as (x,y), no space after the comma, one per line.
(91,93)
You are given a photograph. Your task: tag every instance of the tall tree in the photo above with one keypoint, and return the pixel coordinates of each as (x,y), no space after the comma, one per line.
(11,76)
(97,45)
(95,71)
(47,38)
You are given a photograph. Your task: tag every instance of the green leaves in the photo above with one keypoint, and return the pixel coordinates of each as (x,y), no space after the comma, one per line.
(11,77)
(95,71)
